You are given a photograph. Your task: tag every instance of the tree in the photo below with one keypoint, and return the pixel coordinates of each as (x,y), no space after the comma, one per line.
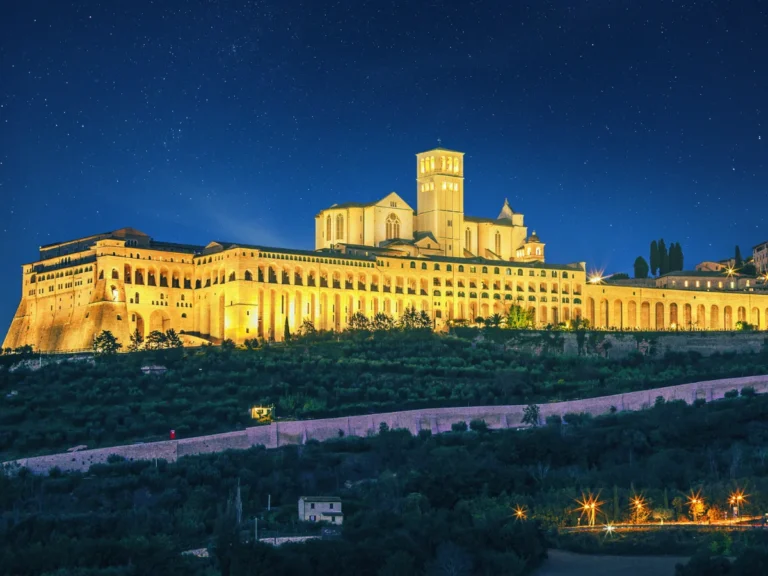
(654,258)
(749,269)
(519,318)
(172,339)
(359,321)
(105,344)
(307,328)
(382,321)
(495,320)
(156,340)
(286,331)
(663,258)
(136,341)
(620,276)
(641,267)
(737,257)
(531,415)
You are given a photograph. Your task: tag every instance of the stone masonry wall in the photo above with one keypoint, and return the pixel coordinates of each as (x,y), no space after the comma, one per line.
(436,420)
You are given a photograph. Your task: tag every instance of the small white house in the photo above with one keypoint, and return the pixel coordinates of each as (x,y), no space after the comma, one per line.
(321,509)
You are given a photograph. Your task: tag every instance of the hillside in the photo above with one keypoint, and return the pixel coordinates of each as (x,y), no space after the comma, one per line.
(110,401)
(411,504)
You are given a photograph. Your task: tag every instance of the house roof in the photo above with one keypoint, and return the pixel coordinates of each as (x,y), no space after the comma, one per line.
(320,498)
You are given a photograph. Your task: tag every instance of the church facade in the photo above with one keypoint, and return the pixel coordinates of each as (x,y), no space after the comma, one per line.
(381,256)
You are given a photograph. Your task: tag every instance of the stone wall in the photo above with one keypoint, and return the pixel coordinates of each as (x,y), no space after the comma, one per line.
(619,345)
(436,420)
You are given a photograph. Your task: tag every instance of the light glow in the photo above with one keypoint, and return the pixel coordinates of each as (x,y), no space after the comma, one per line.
(590,506)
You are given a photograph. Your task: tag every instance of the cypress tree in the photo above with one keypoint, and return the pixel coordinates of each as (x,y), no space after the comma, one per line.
(680,257)
(738,259)
(641,267)
(663,258)
(654,258)
(673,260)
(287,331)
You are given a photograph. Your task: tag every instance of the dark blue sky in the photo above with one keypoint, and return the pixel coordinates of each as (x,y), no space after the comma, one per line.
(606,123)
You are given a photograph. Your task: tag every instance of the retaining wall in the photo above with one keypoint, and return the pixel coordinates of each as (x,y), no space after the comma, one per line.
(436,420)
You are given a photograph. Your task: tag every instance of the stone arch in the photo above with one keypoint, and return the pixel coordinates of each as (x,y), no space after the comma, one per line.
(151,277)
(160,321)
(645,316)
(248,276)
(714,317)
(632,314)
(566,314)
(543,314)
(687,316)
(591,312)
(555,315)
(741,314)
(659,316)
(127,274)
(673,315)
(163,280)
(604,316)
(137,324)
(115,274)
(701,317)
(728,318)
(754,317)
(618,314)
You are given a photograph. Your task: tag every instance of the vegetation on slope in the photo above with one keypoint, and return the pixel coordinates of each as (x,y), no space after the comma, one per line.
(412,505)
(210,390)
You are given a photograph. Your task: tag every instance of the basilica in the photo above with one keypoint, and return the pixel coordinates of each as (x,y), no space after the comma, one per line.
(383,256)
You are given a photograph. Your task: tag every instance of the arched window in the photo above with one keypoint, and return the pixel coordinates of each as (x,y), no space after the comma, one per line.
(340,227)
(538,251)
(468,239)
(498,242)
(328,227)
(393,227)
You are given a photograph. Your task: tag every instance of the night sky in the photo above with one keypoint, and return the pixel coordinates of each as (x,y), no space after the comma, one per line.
(606,123)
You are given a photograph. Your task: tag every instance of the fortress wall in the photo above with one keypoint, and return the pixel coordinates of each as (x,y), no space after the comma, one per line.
(437,420)
(215,443)
(619,345)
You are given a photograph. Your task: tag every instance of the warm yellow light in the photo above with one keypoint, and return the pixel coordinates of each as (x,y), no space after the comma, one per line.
(589,506)
(738,497)
(521,512)
(730,271)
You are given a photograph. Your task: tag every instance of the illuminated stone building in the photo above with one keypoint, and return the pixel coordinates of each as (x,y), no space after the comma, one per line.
(378,257)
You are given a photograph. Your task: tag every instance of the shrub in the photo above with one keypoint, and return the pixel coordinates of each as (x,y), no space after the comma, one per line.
(478,425)
(748,392)
(459,426)
(732,394)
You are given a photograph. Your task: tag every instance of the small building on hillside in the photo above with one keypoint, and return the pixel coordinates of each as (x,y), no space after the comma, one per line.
(154,370)
(321,509)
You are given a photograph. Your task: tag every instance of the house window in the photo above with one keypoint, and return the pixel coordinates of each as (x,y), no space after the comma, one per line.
(340,227)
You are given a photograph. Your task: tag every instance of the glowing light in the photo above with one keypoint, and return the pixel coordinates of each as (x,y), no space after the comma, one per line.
(590,506)
(738,498)
(695,504)
(730,271)
(521,512)
(609,528)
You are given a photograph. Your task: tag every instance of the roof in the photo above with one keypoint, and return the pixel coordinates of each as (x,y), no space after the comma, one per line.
(480,219)
(533,238)
(506,211)
(441,149)
(320,498)
(703,274)
(762,244)
(421,235)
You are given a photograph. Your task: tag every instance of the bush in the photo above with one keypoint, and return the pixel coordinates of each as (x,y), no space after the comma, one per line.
(732,394)
(459,426)
(478,425)
(748,392)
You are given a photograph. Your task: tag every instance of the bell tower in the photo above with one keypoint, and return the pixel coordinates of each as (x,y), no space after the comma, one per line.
(440,197)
